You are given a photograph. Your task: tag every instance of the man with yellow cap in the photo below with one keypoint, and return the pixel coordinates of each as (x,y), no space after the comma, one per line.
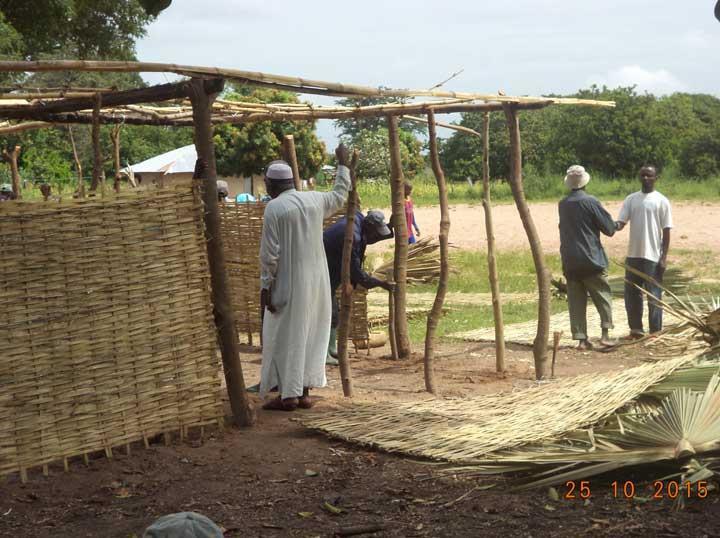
(295,296)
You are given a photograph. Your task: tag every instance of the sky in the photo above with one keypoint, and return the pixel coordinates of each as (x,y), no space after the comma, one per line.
(522,47)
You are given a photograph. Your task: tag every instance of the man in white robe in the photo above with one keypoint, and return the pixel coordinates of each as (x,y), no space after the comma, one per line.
(295,286)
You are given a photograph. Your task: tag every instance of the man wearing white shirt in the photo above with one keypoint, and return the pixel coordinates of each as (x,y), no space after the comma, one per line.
(650,218)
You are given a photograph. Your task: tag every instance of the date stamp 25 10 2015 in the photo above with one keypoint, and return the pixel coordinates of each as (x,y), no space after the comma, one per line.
(582,489)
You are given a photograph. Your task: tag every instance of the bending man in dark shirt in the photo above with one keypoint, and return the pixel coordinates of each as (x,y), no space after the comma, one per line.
(367,230)
(584,262)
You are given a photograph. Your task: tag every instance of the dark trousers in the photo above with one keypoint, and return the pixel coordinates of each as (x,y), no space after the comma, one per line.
(634,297)
(334,321)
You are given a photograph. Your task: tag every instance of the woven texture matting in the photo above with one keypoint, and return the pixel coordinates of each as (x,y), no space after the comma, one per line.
(242,230)
(472,429)
(107,328)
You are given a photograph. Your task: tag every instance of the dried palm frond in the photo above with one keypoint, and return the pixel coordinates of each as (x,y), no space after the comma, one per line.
(423,263)
(684,425)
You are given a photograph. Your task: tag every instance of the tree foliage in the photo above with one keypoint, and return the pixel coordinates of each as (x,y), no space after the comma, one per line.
(679,131)
(370,135)
(246,149)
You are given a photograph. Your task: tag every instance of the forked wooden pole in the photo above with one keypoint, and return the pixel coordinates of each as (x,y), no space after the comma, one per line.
(492,262)
(346,284)
(397,185)
(202,93)
(436,311)
(291,158)
(12,159)
(543,277)
(115,137)
(78,166)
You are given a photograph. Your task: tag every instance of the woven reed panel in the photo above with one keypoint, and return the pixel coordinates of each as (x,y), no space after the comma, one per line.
(242,230)
(107,329)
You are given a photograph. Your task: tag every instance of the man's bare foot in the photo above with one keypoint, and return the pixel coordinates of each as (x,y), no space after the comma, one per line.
(584,345)
(608,342)
(305,402)
(278,404)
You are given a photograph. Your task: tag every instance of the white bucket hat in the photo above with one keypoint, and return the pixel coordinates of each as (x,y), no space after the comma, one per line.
(576,177)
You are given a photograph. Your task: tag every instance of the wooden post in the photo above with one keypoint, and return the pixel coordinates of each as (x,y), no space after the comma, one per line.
(12,159)
(543,277)
(202,93)
(291,158)
(492,262)
(391,325)
(78,166)
(436,311)
(346,285)
(115,137)
(97,174)
(397,185)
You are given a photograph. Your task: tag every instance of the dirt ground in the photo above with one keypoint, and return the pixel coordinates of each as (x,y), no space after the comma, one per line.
(274,479)
(467,226)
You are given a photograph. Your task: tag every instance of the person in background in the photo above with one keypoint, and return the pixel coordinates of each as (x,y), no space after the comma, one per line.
(6,192)
(410,214)
(650,217)
(368,229)
(584,262)
(295,286)
(222,191)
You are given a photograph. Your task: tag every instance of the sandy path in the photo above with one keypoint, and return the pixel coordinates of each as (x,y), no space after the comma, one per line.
(695,226)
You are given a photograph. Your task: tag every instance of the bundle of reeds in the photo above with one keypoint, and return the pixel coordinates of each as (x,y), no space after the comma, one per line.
(423,265)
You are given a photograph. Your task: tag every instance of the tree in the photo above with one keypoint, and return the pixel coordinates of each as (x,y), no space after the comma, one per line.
(80,28)
(10,48)
(374,163)
(245,149)
(352,127)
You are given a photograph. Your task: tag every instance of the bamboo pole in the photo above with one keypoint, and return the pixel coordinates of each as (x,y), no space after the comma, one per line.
(202,93)
(296,84)
(97,173)
(26,126)
(543,277)
(492,262)
(397,185)
(346,284)
(115,137)
(133,115)
(78,166)
(12,159)
(436,311)
(291,158)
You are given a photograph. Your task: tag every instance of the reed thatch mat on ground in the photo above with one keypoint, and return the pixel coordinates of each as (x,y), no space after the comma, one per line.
(107,327)
(524,333)
(469,430)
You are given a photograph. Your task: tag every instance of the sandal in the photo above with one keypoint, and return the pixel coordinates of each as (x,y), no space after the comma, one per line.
(278,404)
(305,402)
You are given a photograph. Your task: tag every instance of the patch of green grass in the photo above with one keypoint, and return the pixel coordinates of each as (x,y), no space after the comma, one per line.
(537,188)
(468,318)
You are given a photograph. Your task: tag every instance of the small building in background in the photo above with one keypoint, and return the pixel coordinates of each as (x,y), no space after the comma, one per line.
(176,167)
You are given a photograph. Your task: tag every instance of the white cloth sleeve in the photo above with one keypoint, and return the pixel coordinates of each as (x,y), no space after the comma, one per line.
(666,215)
(625,211)
(269,251)
(334,200)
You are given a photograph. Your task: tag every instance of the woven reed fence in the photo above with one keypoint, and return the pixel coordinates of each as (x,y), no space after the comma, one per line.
(242,229)
(107,329)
